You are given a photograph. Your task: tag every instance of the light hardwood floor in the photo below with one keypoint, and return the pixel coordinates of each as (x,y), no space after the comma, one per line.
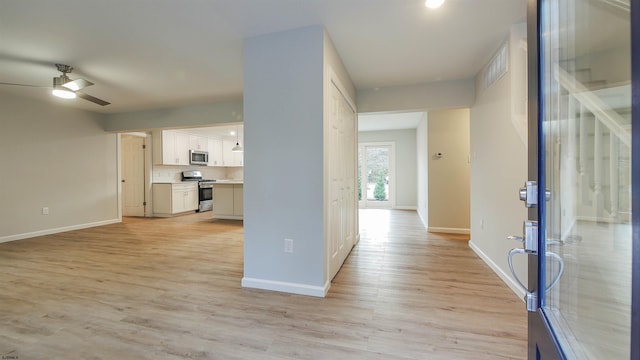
(170,289)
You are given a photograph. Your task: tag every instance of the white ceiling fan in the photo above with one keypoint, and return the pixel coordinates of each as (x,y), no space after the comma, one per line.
(66,88)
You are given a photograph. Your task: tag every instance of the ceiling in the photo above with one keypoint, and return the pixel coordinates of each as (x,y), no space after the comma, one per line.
(147,54)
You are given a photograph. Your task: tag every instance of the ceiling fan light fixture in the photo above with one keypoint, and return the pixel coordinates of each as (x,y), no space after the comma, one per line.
(71,85)
(63,93)
(60,90)
(433,4)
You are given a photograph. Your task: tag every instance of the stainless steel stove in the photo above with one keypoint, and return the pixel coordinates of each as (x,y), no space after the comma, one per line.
(205,189)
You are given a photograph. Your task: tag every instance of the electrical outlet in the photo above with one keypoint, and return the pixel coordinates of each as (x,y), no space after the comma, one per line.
(45,211)
(288,245)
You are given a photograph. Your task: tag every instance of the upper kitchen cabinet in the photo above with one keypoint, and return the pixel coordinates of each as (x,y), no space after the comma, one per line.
(199,143)
(170,148)
(215,152)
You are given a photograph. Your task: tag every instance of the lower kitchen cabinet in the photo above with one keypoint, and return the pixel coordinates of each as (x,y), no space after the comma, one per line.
(228,201)
(171,199)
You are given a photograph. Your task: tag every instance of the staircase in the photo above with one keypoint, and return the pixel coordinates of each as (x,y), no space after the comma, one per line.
(600,124)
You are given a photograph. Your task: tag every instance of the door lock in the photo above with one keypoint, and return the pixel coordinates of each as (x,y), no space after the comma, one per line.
(529,194)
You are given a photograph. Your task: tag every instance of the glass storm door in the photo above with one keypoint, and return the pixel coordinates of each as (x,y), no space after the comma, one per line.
(375,162)
(582,238)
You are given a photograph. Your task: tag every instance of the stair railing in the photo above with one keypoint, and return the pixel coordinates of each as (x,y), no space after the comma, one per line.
(605,117)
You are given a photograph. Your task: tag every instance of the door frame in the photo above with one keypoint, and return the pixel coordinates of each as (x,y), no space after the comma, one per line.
(148,173)
(541,334)
(538,324)
(635,177)
(391,203)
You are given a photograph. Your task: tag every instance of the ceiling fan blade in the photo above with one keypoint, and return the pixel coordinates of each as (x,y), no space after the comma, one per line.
(8,83)
(92,99)
(77,84)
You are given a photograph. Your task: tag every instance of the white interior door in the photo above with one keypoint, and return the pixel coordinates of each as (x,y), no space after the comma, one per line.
(341,167)
(133,175)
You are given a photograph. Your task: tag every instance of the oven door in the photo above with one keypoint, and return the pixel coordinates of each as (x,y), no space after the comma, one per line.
(205,193)
(205,197)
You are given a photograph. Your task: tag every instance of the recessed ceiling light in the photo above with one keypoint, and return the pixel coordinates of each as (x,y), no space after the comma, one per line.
(433,4)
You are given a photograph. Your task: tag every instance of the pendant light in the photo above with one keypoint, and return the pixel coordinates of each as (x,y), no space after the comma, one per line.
(237,148)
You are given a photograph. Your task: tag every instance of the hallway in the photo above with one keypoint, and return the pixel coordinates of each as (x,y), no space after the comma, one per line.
(170,289)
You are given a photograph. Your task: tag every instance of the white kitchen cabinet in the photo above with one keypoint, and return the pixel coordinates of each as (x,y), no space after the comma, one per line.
(238,200)
(228,201)
(170,199)
(215,152)
(231,158)
(199,143)
(170,148)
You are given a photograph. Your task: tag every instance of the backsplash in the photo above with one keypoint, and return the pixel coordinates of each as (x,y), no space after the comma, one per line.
(235,173)
(163,173)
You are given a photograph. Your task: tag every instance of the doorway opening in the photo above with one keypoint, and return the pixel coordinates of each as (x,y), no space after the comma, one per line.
(376,170)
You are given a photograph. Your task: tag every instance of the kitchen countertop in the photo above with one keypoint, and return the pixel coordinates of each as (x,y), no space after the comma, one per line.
(228,182)
(175,182)
(231,182)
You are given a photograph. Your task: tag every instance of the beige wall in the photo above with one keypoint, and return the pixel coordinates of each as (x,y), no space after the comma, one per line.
(56,157)
(499,167)
(448,134)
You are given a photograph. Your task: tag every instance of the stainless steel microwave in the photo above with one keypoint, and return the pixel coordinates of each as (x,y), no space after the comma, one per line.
(198,157)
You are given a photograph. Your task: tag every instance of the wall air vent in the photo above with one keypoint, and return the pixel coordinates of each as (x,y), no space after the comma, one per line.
(498,66)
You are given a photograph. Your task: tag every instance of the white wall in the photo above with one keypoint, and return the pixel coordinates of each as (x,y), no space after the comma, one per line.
(449,175)
(498,170)
(176,117)
(283,188)
(284,80)
(405,163)
(422,170)
(434,95)
(56,157)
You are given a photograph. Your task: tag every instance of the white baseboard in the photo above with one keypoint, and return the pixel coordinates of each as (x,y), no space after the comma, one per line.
(513,285)
(406,208)
(449,230)
(57,230)
(293,288)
